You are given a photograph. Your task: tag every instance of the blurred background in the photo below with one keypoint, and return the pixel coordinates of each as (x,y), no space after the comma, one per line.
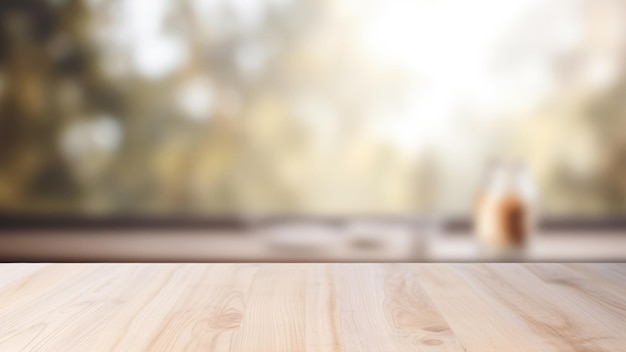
(231,110)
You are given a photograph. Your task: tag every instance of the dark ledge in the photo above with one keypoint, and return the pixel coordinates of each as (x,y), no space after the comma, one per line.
(451,225)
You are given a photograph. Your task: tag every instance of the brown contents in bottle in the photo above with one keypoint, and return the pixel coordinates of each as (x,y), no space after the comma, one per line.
(513,220)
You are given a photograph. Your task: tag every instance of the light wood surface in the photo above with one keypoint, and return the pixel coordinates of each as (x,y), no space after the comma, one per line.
(313,307)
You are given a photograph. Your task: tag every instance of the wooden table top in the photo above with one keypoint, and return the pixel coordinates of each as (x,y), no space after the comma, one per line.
(313,307)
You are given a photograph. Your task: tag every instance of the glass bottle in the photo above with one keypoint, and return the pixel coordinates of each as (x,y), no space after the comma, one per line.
(506,209)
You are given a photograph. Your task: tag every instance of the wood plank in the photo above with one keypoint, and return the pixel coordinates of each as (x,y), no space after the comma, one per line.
(134,327)
(322,311)
(585,295)
(469,313)
(15,271)
(208,313)
(383,307)
(274,316)
(69,315)
(602,276)
(414,318)
(539,311)
(41,285)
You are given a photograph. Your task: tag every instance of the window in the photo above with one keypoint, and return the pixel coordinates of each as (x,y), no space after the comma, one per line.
(227,107)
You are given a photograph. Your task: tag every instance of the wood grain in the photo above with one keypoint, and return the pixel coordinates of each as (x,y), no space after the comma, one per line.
(313,307)
(549,321)
(481,325)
